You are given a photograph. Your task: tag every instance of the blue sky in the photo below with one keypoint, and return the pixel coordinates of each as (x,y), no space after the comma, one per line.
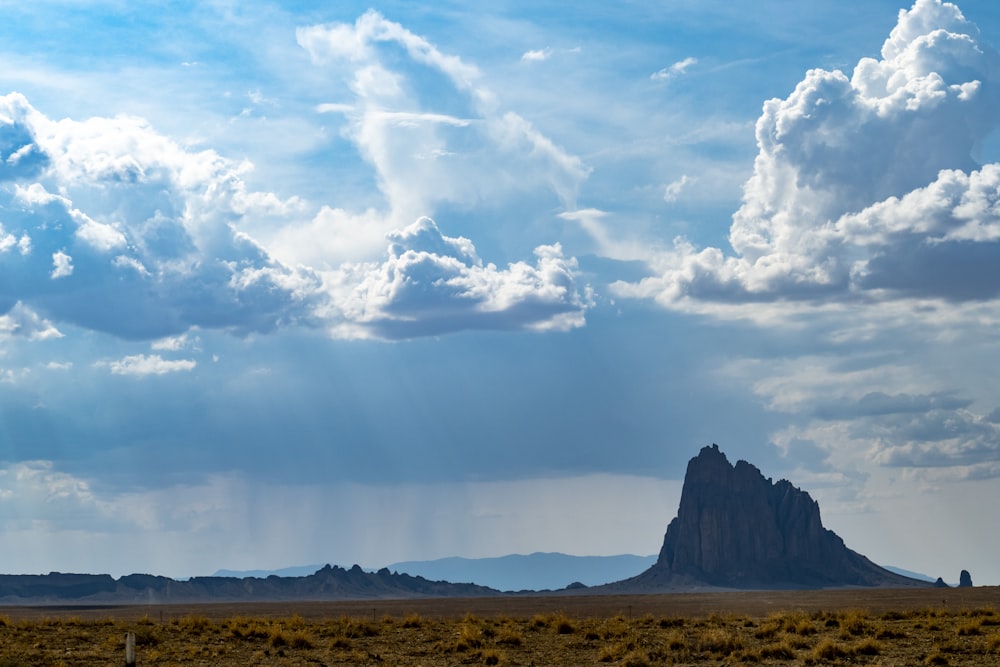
(312,282)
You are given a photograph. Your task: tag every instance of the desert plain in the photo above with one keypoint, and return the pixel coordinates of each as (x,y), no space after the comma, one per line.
(857,626)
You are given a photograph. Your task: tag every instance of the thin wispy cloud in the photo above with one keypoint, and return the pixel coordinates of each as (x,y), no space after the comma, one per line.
(153,364)
(536,55)
(679,68)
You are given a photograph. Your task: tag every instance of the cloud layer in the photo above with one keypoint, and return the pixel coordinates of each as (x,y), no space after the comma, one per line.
(865,188)
(110,226)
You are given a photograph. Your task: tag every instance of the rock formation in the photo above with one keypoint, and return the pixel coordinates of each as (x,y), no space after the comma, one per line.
(736,529)
(327,583)
(965,579)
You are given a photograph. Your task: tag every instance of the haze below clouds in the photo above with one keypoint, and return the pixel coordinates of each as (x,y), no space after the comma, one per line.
(289,284)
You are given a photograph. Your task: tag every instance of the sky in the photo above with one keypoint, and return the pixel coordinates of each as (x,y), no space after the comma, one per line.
(303,282)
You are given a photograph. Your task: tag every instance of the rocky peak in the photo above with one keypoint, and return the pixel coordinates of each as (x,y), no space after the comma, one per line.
(736,528)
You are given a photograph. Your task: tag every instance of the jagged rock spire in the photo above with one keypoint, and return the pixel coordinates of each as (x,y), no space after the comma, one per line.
(737,529)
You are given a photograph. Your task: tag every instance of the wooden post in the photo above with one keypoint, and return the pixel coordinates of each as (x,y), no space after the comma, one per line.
(130,649)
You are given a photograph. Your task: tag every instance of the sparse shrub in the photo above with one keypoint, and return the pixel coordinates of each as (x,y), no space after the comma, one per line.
(636,658)
(277,638)
(828,650)
(853,623)
(883,632)
(615,651)
(767,631)
(146,635)
(192,624)
(614,628)
(470,636)
(719,640)
(295,622)
(490,657)
(301,639)
(671,622)
(935,657)
(356,628)
(342,643)
(508,635)
(281,636)
(676,642)
(412,620)
(561,624)
(993,643)
(970,628)
(782,651)
(980,612)
(867,646)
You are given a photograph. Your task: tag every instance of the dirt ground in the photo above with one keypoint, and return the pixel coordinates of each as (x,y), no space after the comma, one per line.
(862,626)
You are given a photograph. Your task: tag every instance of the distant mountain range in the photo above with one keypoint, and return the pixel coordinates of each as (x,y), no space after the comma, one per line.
(734,529)
(516,572)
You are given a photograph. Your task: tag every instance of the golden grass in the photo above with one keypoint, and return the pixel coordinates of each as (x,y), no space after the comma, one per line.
(852,636)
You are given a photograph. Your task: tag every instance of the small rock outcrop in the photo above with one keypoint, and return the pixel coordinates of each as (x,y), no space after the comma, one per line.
(965,579)
(737,529)
(940,583)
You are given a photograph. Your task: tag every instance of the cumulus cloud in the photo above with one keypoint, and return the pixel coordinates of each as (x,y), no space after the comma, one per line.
(111,226)
(22,321)
(431,283)
(62,265)
(153,364)
(865,188)
(140,240)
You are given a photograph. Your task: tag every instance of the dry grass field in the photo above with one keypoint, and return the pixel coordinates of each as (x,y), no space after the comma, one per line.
(855,627)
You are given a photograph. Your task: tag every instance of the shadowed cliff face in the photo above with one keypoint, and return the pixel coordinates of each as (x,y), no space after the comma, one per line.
(735,528)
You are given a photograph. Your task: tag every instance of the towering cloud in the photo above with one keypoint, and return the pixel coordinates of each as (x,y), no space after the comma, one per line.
(111,226)
(864,187)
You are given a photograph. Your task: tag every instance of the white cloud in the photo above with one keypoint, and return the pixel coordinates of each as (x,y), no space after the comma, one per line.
(143,227)
(679,68)
(537,55)
(22,321)
(432,283)
(451,145)
(153,364)
(141,237)
(171,343)
(864,188)
(674,188)
(62,265)
(50,494)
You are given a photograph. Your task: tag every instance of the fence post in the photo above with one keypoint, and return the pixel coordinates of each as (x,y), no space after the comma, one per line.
(130,649)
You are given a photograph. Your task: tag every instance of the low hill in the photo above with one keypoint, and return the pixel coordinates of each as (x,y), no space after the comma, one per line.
(327,583)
